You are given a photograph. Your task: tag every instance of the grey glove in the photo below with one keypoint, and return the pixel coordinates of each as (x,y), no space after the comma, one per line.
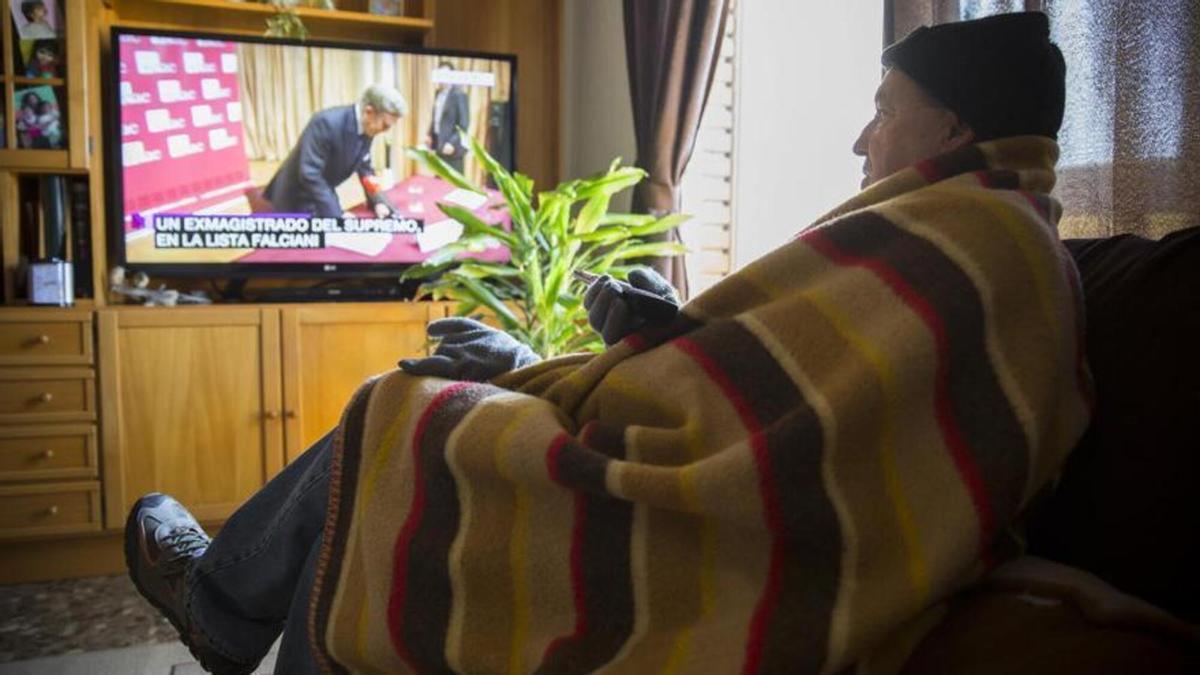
(469,350)
(614,313)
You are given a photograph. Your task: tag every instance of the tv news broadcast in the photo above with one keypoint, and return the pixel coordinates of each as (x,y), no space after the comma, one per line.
(248,151)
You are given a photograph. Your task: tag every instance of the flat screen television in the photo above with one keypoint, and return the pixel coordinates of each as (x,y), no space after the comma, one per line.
(235,157)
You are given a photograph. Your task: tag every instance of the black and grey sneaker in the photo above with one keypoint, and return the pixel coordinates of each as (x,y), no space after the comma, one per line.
(162,540)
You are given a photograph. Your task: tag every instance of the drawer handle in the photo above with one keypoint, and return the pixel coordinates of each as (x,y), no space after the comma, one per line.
(47,454)
(43,339)
(289,414)
(270,414)
(52,511)
(45,397)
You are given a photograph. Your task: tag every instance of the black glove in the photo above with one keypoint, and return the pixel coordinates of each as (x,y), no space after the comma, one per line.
(613,311)
(470,351)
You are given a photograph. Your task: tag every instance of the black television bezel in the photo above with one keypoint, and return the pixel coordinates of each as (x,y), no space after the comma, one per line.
(114,192)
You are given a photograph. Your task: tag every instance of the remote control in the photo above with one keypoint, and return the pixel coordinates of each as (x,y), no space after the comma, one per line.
(646,304)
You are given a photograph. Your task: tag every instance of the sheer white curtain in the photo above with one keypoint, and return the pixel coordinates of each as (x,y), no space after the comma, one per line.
(1131,133)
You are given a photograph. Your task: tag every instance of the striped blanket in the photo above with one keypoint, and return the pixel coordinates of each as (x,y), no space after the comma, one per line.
(790,478)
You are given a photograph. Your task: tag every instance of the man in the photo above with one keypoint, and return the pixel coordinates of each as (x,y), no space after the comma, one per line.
(336,143)
(230,597)
(450,113)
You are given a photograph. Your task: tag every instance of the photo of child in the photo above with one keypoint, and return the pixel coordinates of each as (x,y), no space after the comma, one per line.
(35,19)
(38,119)
(44,61)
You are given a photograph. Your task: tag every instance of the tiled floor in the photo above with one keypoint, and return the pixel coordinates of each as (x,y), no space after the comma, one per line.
(81,615)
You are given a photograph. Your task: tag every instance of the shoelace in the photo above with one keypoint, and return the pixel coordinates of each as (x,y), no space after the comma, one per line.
(184,542)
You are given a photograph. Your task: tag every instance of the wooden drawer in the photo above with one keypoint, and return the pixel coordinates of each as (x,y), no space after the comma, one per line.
(59,451)
(51,509)
(47,395)
(45,337)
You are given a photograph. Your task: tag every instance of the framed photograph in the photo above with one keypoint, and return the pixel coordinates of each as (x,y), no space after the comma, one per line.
(386,7)
(36,19)
(43,58)
(38,118)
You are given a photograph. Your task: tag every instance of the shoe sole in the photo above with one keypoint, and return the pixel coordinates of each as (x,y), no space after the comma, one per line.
(131,555)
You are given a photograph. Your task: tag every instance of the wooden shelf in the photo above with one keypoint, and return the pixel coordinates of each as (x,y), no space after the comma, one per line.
(35,160)
(250,18)
(35,81)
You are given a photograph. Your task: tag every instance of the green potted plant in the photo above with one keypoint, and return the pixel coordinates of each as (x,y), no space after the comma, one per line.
(534,295)
(286,21)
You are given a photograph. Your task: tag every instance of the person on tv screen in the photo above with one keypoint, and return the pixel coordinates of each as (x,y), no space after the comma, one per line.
(451,112)
(335,143)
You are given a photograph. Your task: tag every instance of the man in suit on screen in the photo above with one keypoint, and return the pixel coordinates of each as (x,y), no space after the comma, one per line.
(451,112)
(336,143)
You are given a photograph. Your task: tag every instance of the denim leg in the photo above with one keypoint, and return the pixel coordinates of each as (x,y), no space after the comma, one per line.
(240,591)
(295,652)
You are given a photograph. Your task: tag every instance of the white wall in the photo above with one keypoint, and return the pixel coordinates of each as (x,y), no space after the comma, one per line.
(597,116)
(807,73)
(806,81)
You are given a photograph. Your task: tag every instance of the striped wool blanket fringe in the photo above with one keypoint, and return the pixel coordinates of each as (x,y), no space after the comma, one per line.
(790,478)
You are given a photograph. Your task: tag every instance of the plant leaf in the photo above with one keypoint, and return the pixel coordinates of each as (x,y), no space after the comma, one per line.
(589,215)
(474,225)
(659,249)
(442,169)
(661,225)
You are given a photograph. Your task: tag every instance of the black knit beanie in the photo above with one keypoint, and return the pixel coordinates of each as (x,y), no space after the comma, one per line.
(1000,74)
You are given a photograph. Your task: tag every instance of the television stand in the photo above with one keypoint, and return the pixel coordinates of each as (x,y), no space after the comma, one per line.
(330,294)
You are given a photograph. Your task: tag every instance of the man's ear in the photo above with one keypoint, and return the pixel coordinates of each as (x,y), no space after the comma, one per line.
(958,134)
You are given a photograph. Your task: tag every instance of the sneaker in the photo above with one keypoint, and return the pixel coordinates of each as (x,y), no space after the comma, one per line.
(162,541)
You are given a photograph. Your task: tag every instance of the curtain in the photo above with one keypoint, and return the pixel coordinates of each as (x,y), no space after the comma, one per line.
(671,50)
(283,86)
(1131,132)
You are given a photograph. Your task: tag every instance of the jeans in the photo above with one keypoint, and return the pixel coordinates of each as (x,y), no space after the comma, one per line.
(257,575)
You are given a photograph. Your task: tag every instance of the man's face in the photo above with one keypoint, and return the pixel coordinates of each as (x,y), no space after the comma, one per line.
(37,14)
(375,122)
(908,127)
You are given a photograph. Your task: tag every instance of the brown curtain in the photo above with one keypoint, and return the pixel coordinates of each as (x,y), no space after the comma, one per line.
(671,50)
(1131,133)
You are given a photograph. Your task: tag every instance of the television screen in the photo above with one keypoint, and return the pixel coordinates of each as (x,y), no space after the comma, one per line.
(271,156)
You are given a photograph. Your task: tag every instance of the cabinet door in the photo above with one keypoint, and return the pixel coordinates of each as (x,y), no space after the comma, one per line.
(190,406)
(329,350)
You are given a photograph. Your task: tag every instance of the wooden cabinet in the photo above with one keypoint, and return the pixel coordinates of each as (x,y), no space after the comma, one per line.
(186,392)
(48,459)
(207,403)
(329,350)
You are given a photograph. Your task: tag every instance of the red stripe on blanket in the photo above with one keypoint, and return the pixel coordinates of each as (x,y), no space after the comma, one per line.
(415,514)
(553,454)
(769,599)
(945,417)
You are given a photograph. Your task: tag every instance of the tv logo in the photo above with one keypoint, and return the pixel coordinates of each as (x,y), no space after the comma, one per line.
(150,63)
(193,62)
(160,119)
(181,145)
(131,97)
(134,153)
(211,88)
(169,91)
(203,116)
(219,139)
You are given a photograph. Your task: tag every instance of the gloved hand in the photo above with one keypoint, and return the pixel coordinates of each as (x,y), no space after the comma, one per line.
(612,314)
(470,350)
